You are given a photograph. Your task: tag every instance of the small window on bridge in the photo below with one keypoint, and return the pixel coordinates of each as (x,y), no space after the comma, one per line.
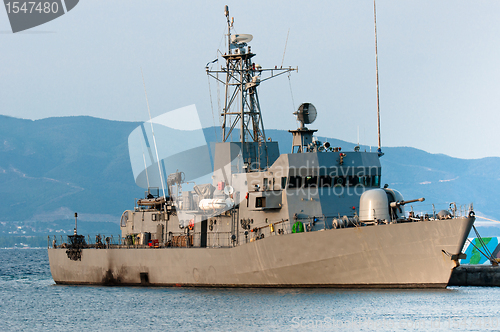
(295,182)
(283,182)
(325,181)
(311,181)
(339,181)
(353,180)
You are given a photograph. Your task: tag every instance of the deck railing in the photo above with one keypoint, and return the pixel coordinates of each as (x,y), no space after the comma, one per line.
(99,241)
(416,212)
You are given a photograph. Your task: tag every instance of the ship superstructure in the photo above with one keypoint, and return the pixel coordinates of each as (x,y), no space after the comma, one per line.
(314,217)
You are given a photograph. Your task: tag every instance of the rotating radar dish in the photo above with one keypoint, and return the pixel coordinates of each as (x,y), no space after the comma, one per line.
(306,114)
(241,38)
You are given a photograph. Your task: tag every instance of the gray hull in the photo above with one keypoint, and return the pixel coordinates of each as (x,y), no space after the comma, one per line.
(393,255)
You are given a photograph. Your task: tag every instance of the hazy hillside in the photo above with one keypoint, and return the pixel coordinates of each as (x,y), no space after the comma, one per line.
(80,163)
(52,167)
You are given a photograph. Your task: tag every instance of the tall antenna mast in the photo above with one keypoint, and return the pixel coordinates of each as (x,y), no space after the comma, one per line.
(154,140)
(376,71)
(229,25)
(145,165)
(242,77)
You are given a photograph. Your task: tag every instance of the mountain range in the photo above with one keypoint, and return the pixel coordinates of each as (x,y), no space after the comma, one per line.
(53,167)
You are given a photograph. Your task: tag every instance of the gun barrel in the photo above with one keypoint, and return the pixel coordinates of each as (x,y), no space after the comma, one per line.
(412,201)
(400,203)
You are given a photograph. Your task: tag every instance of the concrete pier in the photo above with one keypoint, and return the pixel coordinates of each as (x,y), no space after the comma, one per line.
(475,275)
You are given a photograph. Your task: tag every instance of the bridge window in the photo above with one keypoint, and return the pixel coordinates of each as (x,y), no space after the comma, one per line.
(339,181)
(311,181)
(295,182)
(325,181)
(283,182)
(353,180)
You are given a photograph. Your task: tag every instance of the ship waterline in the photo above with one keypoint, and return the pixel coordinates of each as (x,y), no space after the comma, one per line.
(403,255)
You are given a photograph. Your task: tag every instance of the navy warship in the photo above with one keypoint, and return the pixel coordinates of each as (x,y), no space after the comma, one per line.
(315,217)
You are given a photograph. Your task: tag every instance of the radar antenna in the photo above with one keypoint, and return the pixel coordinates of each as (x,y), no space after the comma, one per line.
(302,137)
(376,71)
(306,114)
(242,77)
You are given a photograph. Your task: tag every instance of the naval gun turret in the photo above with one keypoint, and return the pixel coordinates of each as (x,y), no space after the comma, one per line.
(383,204)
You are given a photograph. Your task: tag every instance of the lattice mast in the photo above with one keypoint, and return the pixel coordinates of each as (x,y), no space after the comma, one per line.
(242,77)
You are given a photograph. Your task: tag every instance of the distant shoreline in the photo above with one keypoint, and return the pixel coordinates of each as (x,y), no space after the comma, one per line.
(19,248)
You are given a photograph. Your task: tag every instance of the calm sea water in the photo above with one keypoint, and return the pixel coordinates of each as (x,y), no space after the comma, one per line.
(30,301)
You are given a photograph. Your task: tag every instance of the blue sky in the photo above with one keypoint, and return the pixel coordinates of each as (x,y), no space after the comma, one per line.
(438,66)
